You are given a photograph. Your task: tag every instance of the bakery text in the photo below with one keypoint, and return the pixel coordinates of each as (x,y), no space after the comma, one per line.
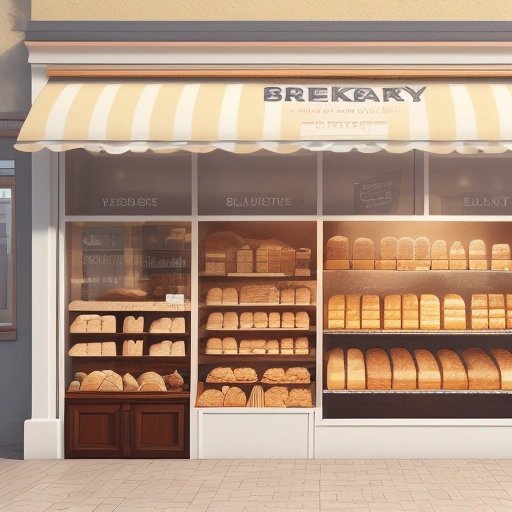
(347,94)
(258,201)
(130,202)
(486,202)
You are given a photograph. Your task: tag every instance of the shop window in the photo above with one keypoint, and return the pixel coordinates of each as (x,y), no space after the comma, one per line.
(372,184)
(470,184)
(7,257)
(128,184)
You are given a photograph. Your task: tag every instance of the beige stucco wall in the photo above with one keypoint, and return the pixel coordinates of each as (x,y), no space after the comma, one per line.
(14,68)
(271,9)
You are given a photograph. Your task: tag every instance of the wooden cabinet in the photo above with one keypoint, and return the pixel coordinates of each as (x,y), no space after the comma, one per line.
(138,425)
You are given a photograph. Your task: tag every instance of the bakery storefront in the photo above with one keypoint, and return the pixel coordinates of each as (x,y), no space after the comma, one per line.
(271,267)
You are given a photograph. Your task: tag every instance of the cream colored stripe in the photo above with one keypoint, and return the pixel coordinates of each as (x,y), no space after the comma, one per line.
(465,118)
(164,112)
(251,113)
(120,121)
(418,120)
(503,98)
(272,130)
(440,111)
(143,112)
(81,111)
(206,112)
(486,111)
(185,112)
(229,116)
(34,126)
(100,114)
(398,122)
(58,114)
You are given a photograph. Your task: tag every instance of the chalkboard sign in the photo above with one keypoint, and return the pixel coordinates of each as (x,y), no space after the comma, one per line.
(368,184)
(128,184)
(470,184)
(260,183)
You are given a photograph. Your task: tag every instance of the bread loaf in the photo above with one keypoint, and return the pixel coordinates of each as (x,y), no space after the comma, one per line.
(272,347)
(363,254)
(174,381)
(337,253)
(288,320)
(262,260)
(104,380)
(124,294)
(503,359)
(453,372)
(482,372)
(405,248)
(79,325)
(214,296)
(497,314)
(454,312)
(213,346)
(130,383)
(80,376)
(501,252)
(370,312)
(161,325)
(221,375)
(301,320)
(108,323)
(274,320)
(335,369)
(235,397)
(259,294)
(151,381)
(336,312)
(78,350)
(74,386)
(229,346)
(393,312)
(94,348)
(477,255)
(439,250)
(160,349)
(287,296)
(178,348)
(356,372)
(245,375)
(297,375)
(299,398)
(276,396)
(429,375)
(215,321)
(303,295)
(178,325)
(108,348)
(246,320)
(422,248)
(389,248)
(94,325)
(301,346)
(132,324)
(273,376)
(378,369)
(211,398)
(457,256)
(287,346)
(430,312)
(261,320)
(410,312)
(353,312)
(404,369)
(256,398)
(229,296)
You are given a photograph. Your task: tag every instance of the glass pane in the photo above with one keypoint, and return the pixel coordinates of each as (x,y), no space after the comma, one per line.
(368,184)
(471,184)
(6,257)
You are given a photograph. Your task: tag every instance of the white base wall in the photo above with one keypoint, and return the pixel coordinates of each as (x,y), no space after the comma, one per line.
(413,442)
(43,439)
(255,435)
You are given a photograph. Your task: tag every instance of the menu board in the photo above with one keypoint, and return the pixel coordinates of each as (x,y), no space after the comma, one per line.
(470,184)
(128,184)
(368,184)
(260,183)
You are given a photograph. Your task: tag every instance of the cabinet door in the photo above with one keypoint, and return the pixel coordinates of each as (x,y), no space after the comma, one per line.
(93,430)
(160,431)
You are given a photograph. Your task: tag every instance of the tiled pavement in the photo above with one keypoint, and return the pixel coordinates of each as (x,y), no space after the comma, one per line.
(253,485)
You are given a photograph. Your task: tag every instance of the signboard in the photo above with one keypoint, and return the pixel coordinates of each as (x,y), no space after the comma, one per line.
(470,185)
(379,195)
(257,184)
(129,184)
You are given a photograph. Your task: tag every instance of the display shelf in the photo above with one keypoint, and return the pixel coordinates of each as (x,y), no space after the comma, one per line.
(418,392)
(235,275)
(207,332)
(417,272)
(308,307)
(438,332)
(268,359)
(88,335)
(128,395)
(263,384)
(171,360)
(121,307)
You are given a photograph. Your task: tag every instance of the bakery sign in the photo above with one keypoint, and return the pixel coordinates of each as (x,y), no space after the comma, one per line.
(343,112)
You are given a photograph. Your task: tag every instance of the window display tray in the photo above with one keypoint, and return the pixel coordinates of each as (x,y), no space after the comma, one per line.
(96,306)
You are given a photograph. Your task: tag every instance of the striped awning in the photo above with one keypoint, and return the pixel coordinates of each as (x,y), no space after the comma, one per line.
(242,117)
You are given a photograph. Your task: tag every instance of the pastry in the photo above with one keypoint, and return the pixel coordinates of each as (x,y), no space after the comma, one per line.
(214,346)
(245,375)
(503,359)
(221,375)
(297,375)
(162,325)
(276,396)
(453,372)
(235,397)
(335,369)
(378,369)
(214,296)
(299,398)
(429,375)
(130,382)
(404,369)
(356,371)
(211,398)
(151,381)
(482,372)
(273,376)
(174,381)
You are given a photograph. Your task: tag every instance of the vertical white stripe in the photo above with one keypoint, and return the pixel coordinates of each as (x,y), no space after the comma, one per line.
(57,117)
(465,120)
(144,112)
(101,112)
(504,103)
(229,112)
(185,112)
(272,122)
(418,120)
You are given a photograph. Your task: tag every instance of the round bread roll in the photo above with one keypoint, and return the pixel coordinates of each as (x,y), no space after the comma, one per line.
(130,383)
(151,381)
(276,396)
(211,398)
(235,397)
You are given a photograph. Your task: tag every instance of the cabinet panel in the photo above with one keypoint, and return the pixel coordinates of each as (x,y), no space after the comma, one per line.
(93,430)
(159,430)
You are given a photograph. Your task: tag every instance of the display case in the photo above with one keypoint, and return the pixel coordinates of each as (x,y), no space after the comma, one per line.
(417,319)
(257,314)
(128,341)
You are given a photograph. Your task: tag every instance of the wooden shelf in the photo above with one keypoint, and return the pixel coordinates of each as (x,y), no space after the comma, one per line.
(139,359)
(254,275)
(309,307)
(127,395)
(118,306)
(439,332)
(415,272)
(248,359)
(258,383)
(245,331)
(418,392)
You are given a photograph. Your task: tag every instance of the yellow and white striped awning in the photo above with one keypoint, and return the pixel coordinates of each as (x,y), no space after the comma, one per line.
(165,115)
